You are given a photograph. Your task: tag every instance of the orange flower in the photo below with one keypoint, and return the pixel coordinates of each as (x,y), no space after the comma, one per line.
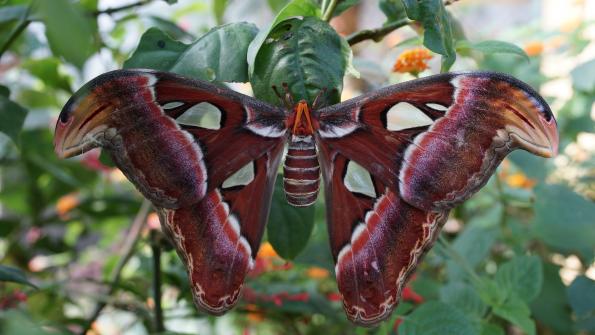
(65,204)
(534,48)
(315,272)
(413,61)
(254,315)
(266,251)
(519,180)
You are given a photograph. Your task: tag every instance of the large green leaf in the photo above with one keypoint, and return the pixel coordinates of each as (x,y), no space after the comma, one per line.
(564,219)
(583,76)
(551,306)
(438,35)
(517,312)
(218,55)
(464,297)
(307,54)
(12,117)
(10,274)
(474,243)
(70,33)
(492,47)
(440,319)
(522,277)
(296,8)
(581,295)
(393,9)
(48,70)
(289,227)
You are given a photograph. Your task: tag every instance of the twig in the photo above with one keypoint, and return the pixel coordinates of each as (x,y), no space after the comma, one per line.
(328,11)
(449,2)
(156,249)
(112,10)
(376,34)
(126,252)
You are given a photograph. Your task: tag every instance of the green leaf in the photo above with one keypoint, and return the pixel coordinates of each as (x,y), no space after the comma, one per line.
(307,54)
(393,9)
(581,295)
(583,76)
(490,292)
(69,31)
(491,329)
(438,35)
(218,55)
(48,70)
(12,117)
(551,306)
(517,312)
(564,219)
(277,5)
(344,5)
(522,277)
(474,243)
(12,13)
(4,91)
(440,319)
(492,47)
(10,274)
(170,28)
(296,8)
(464,297)
(289,227)
(219,7)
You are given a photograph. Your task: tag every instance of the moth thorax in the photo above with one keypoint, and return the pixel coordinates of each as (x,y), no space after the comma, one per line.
(301,172)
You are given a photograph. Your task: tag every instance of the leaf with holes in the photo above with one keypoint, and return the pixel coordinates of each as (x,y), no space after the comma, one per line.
(307,54)
(219,55)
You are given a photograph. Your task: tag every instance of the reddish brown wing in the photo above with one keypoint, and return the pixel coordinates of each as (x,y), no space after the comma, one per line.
(215,221)
(418,173)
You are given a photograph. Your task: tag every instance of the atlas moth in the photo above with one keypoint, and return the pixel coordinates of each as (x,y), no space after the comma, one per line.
(393,163)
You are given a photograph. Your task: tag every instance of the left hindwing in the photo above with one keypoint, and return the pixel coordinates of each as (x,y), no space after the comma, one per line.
(427,145)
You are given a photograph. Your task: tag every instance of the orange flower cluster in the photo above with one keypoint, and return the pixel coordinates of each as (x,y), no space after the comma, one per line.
(534,48)
(413,61)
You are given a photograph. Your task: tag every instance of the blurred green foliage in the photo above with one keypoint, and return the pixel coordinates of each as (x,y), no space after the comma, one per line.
(68,242)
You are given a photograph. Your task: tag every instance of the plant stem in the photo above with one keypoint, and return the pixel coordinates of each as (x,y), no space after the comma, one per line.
(328,11)
(126,252)
(112,10)
(376,34)
(156,249)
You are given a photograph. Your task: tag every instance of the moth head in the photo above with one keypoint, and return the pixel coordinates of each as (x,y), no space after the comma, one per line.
(82,124)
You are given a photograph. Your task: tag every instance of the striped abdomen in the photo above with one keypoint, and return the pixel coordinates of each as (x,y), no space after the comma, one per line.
(301,172)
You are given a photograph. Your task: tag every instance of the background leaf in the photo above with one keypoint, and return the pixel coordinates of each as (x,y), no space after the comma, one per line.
(492,47)
(522,277)
(10,274)
(12,117)
(581,295)
(218,55)
(438,35)
(289,227)
(440,319)
(69,31)
(564,219)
